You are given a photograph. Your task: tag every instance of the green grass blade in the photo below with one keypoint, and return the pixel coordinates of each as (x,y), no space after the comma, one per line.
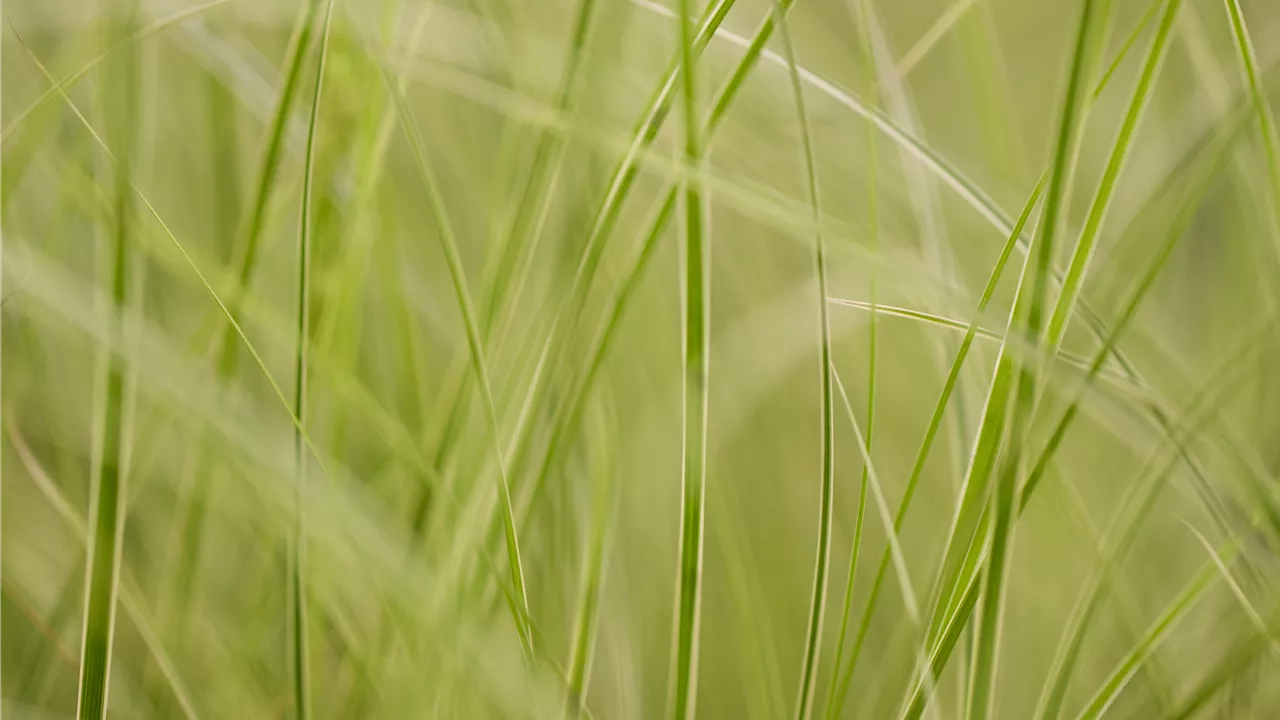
(1073,281)
(298,584)
(826,479)
(966,588)
(457,274)
(123,44)
(984,678)
(931,432)
(1262,108)
(837,690)
(583,642)
(109,495)
(696,270)
(1156,634)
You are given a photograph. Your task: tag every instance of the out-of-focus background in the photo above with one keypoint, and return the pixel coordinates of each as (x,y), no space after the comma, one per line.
(155,165)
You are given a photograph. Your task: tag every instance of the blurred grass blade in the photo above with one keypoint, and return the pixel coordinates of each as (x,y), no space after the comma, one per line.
(1261,106)
(123,44)
(826,479)
(298,582)
(109,503)
(1156,634)
(696,269)
(457,274)
(603,518)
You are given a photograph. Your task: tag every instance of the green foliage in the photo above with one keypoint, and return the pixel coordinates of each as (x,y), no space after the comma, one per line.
(494,359)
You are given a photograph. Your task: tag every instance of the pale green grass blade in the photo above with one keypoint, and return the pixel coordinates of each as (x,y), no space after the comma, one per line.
(301,668)
(893,546)
(188,551)
(120,45)
(108,506)
(836,691)
(935,423)
(696,345)
(826,479)
(1240,658)
(1261,106)
(1085,244)
(1156,634)
(582,645)
(449,244)
(1074,360)
(1255,617)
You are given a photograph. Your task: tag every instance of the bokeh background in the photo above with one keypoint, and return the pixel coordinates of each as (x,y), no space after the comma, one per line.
(154,164)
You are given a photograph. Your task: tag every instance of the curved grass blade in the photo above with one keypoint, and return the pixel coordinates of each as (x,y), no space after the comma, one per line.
(298,585)
(108,505)
(449,244)
(836,691)
(1004,501)
(696,270)
(826,479)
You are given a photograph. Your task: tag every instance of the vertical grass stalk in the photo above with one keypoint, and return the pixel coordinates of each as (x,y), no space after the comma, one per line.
(697,355)
(298,586)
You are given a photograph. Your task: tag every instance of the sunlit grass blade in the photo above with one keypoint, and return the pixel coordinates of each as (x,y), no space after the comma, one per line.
(696,345)
(457,274)
(826,479)
(301,671)
(108,504)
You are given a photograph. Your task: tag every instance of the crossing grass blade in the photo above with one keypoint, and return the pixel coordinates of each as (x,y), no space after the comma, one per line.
(1159,630)
(931,432)
(965,582)
(519,601)
(191,514)
(301,667)
(1085,244)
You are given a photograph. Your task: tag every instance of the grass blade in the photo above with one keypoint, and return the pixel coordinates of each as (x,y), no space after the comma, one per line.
(108,506)
(1156,634)
(298,584)
(826,479)
(696,269)
(1083,253)
(449,244)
